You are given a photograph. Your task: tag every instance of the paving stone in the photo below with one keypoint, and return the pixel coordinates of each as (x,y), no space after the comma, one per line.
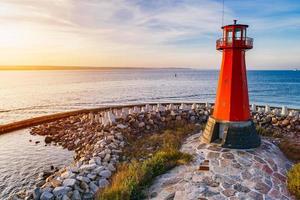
(228,155)
(245,162)
(214,148)
(259,160)
(262,187)
(256,195)
(229,192)
(246,175)
(267,169)
(225,162)
(170,196)
(213,155)
(171,181)
(280,177)
(226,185)
(202,146)
(272,164)
(240,188)
(209,193)
(237,165)
(268,181)
(275,194)
(210,182)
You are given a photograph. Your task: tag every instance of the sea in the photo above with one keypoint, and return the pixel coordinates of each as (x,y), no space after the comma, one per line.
(27,94)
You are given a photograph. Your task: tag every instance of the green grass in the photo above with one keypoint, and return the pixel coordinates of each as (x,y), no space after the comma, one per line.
(131,179)
(294,180)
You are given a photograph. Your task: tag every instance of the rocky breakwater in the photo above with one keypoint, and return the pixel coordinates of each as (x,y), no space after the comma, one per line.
(281,126)
(98,139)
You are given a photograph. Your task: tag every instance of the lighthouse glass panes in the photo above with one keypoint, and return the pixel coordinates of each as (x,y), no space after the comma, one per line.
(229,35)
(238,34)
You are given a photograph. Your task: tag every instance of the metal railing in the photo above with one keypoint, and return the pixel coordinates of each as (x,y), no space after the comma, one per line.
(239,42)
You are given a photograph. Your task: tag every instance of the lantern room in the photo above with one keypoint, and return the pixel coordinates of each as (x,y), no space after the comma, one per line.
(235,36)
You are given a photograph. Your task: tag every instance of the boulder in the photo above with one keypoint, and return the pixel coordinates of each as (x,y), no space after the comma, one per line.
(105,173)
(60,191)
(36,193)
(76,195)
(103,183)
(69,182)
(93,187)
(47,196)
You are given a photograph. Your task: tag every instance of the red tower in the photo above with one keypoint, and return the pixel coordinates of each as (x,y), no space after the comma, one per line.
(231,125)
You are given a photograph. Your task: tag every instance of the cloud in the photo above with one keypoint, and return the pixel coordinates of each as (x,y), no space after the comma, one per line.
(99,31)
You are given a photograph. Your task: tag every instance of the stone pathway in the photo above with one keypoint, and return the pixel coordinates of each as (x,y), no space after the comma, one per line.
(219,173)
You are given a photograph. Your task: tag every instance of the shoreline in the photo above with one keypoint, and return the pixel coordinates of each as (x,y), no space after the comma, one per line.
(26,123)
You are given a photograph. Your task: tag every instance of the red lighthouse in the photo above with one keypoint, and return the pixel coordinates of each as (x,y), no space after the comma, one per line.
(231,125)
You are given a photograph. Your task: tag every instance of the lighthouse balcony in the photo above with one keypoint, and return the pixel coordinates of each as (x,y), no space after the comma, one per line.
(241,43)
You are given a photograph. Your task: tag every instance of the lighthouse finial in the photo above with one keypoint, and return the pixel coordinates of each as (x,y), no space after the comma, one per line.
(234,21)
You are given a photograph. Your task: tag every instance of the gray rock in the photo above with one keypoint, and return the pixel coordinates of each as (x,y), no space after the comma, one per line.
(36,193)
(106,158)
(47,189)
(93,187)
(92,176)
(111,167)
(84,186)
(88,196)
(70,182)
(65,197)
(76,195)
(83,178)
(47,196)
(88,167)
(98,169)
(105,173)
(74,169)
(60,191)
(68,174)
(103,183)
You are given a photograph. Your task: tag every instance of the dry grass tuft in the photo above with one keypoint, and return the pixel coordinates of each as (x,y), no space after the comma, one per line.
(294,180)
(159,153)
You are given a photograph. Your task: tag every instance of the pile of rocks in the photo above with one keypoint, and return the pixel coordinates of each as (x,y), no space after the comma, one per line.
(277,123)
(98,139)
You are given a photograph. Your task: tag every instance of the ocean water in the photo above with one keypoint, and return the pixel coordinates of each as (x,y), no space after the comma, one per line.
(26,94)
(22,161)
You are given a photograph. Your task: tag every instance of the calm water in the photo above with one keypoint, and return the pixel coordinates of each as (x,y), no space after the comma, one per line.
(21,161)
(24,94)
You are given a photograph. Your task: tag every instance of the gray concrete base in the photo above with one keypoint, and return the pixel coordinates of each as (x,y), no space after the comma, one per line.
(236,135)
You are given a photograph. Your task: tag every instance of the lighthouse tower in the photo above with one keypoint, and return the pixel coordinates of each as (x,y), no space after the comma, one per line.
(231,125)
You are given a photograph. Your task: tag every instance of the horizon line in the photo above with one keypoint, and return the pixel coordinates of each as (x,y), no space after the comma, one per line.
(78,67)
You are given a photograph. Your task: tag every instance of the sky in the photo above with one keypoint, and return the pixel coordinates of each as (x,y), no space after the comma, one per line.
(145,33)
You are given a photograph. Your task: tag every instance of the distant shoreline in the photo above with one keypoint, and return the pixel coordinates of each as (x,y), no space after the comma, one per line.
(44,68)
(53,68)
